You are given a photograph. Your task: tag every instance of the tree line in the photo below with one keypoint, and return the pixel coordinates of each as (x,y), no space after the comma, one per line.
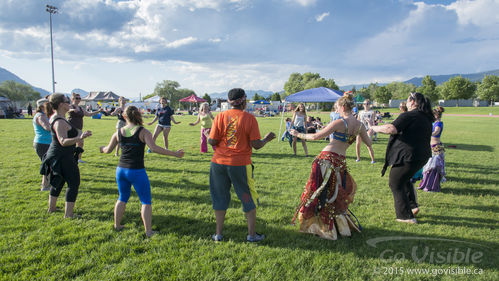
(455,88)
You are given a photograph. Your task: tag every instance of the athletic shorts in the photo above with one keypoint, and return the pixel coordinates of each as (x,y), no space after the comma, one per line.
(164,126)
(140,181)
(241,177)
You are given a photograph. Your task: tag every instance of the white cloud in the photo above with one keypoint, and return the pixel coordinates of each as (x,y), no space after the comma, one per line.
(480,13)
(321,17)
(181,42)
(304,3)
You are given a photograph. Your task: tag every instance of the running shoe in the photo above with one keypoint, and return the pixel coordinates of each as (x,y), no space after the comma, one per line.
(149,150)
(217,237)
(255,238)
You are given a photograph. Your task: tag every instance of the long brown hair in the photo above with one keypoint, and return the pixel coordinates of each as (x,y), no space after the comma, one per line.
(298,108)
(133,114)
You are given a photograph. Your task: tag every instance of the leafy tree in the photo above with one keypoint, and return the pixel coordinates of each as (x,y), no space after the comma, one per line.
(258,97)
(489,89)
(207,98)
(457,88)
(18,92)
(400,90)
(275,97)
(294,84)
(429,88)
(148,96)
(167,89)
(382,95)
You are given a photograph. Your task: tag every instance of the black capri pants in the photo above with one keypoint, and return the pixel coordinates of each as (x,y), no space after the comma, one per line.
(70,175)
(404,195)
(41,149)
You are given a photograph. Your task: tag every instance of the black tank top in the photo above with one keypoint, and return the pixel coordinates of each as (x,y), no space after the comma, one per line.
(132,151)
(72,133)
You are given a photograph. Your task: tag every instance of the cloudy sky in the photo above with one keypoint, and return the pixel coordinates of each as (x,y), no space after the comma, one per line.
(214,45)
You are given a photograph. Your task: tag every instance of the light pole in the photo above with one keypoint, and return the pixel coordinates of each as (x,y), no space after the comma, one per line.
(51,10)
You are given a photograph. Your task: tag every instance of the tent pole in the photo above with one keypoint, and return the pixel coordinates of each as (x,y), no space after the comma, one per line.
(280,127)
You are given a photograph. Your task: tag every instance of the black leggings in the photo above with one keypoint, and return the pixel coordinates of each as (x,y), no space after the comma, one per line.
(404,195)
(71,175)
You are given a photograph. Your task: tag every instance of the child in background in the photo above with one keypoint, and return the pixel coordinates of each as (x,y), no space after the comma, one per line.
(288,126)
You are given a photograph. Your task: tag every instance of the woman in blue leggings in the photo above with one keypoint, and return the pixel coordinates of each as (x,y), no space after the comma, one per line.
(132,139)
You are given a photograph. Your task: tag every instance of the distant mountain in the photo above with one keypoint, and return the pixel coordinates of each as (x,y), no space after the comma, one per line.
(444,78)
(82,93)
(6,75)
(439,79)
(249,94)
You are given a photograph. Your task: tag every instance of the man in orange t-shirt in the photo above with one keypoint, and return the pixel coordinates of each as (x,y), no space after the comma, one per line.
(235,133)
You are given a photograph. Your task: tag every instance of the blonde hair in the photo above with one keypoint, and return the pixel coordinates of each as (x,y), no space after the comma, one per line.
(347,102)
(202,107)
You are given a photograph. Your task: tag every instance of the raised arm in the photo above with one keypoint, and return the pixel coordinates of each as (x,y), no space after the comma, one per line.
(116,111)
(86,113)
(436,131)
(112,144)
(146,137)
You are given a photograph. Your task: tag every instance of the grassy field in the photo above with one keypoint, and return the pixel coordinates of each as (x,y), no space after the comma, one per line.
(456,237)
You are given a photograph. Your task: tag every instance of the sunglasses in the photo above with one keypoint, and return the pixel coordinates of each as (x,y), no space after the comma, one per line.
(77,98)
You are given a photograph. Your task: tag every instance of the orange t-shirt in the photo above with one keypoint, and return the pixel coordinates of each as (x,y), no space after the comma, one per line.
(235,129)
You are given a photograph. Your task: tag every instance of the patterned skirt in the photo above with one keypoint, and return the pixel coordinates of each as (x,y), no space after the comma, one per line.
(434,170)
(323,209)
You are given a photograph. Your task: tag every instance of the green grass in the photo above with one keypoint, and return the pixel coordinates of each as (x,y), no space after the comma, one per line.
(36,245)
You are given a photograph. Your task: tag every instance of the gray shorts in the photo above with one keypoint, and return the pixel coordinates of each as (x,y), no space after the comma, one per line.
(221,179)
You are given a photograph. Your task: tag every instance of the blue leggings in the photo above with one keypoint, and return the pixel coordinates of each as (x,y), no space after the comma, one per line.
(136,177)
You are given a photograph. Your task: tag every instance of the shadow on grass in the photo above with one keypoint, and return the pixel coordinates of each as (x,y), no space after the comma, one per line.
(473,168)
(461,221)
(476,192)
(166,170)
(469,147)
(393,240)
(474,182)
(484,208)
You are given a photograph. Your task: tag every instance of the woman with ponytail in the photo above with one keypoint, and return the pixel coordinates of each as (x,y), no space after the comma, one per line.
(323,209)
(407,151)
(60,162)
(132,139)
(434,170)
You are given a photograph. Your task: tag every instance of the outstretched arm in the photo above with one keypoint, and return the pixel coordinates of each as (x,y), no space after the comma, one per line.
(112,144)
(257,144)
(154,120)
(385,129)
(195,123)
(173,120)
(333,126)
(146,137)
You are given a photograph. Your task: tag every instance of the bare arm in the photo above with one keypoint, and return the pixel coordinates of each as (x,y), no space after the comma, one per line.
(146,137)
(43,121)
(385,129)
(86,113)
(213,142)
(331,127)
(211,116)
(154,120)
(436,132)
(257,144)
(173,120)
(61,131)
(116,111)
(112,144)
(195,123)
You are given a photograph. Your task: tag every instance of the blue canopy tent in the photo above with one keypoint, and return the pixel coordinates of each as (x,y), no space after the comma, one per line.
(320,94)
(261,102)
